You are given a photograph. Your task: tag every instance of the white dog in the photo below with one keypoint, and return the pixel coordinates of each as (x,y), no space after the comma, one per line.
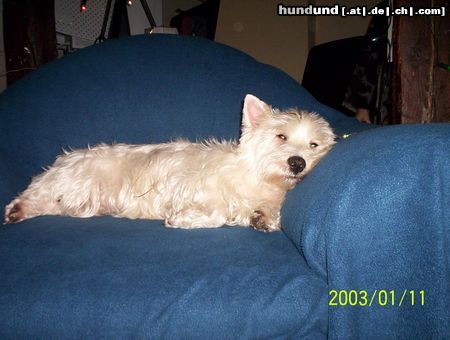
(188,185)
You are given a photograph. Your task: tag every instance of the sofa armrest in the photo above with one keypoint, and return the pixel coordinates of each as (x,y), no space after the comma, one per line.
(374,216)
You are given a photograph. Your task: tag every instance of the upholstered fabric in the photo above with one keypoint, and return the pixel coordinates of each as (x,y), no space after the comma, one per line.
(375,216)
(370,216)
(116,278)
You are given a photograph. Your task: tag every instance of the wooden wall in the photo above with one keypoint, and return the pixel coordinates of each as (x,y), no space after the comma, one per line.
(421,84)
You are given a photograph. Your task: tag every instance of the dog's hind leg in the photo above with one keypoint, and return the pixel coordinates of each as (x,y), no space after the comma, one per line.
(36,200)
(24,207)
(14,212)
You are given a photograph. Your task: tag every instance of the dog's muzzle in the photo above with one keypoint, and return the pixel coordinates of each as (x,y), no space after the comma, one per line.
(296,164)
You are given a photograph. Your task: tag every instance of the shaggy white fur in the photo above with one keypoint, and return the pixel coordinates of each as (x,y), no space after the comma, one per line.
(188,185)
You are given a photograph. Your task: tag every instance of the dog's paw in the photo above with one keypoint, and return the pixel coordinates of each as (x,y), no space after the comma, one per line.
(171,223)
(14,212)
(261,222)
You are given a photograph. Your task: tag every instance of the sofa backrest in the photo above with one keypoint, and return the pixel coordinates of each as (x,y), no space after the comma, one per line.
(141,89)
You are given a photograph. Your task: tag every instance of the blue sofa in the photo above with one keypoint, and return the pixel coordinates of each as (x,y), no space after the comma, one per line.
(365,248)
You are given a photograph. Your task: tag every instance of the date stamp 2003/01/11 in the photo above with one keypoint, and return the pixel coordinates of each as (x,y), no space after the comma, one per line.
(377,297)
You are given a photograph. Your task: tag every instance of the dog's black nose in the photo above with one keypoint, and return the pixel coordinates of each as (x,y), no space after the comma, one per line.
(296,164)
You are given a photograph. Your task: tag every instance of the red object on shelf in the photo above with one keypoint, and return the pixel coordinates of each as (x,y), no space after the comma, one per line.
(83,6)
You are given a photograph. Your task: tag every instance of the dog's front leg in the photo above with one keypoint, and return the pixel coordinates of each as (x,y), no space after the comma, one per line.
(265,220)
(191,218)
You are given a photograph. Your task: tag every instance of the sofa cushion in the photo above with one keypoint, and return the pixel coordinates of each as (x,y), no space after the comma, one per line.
(117,278)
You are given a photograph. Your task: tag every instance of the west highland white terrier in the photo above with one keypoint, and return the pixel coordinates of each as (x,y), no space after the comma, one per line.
(188,185)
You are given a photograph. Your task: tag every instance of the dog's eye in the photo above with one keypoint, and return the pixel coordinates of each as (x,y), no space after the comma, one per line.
(313,145)
(282,137)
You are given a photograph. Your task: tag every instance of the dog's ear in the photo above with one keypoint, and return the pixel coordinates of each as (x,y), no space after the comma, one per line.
(254,111)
